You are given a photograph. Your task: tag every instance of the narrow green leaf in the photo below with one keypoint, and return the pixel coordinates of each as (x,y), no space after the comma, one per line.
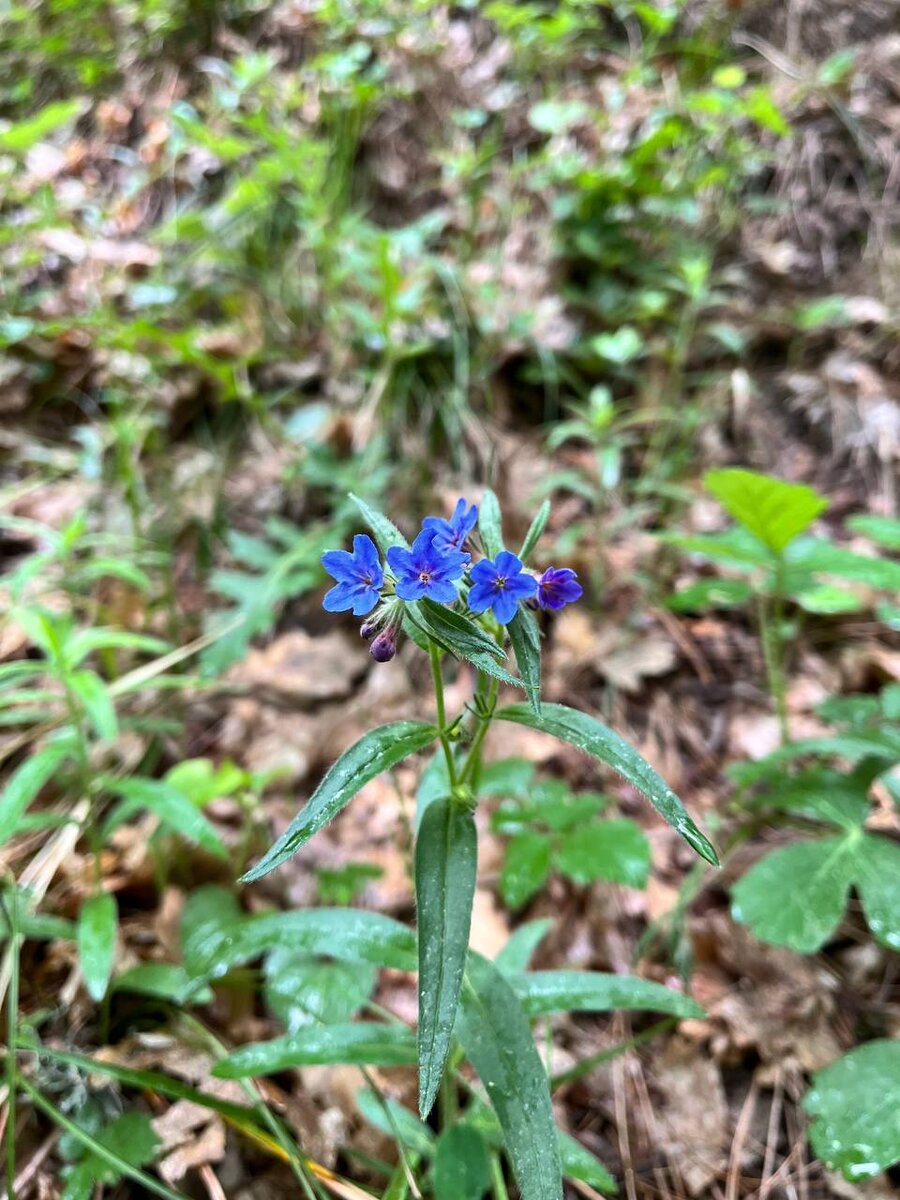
(301,989)
(490,524)
(497,1040)
(462,1168)
(162,981)
(579,1163)
(535,529)
(174,809)
(217,936)
(454,625)
(796,896)
(20,136)
(602,743)
(375,752)
(855,1103)
(364,1043)
(397,1122)
(94,696)
(523,941)
(883,530)
(89,640)
(97,925)
(386,532)
(526,643)
(27,780)
(446,632)
(772,510)
(446,860)
(543,992)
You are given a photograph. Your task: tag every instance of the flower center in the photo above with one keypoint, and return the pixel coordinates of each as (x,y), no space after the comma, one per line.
(424,577)
(500,583)
(367,580)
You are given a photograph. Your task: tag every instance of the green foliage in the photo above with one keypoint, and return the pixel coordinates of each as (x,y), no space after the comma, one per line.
(855,1106)
(553,830)
(129,1137)
(98,925)
(773,511)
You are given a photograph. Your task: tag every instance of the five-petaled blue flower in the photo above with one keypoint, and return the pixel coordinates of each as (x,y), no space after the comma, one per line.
(557,587)
(500,585)
(359,577)
(452,534)
(426,570)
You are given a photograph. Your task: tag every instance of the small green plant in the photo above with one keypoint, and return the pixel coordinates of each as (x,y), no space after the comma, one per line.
(796,896)
(552,830)
(454,609)
(769,561)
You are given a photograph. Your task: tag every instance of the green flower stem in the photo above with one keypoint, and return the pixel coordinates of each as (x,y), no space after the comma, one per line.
(485,716)
(438,678)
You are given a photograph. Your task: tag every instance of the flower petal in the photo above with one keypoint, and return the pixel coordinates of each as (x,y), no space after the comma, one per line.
(521,586)
(442,591)
(481,596)
(410,587)
(508,563)
(505,606)
(366,553)
(400,561)
(340,564)
(340,598)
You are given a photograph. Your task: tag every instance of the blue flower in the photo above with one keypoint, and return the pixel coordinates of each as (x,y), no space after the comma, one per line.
(426,570)
(359,577)
(557,587)
(500,585)
(452,534)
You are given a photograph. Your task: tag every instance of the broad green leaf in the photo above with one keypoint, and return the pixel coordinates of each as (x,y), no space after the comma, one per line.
(772,510)
(526,643)
(490,524)
(451,631)
(579,1163)
(173,808)
(20,136)
(363,1043)
(710,593)
(506,777)
(855,1106)
(202,780)
(819,556)
(883,530)
(497,1040)
(386,532)
(613,850)
(375,752)
(736,547)
(535,529)
(163,981)
(589,735)
(544,992)
(216,935)
(878,880)
(303,990)
(523,941)
(28,779)
(526,866)
(94,697)
(462,1168)
(446,861)
(827,600)
(98,923)
(397,1122)
(796,896)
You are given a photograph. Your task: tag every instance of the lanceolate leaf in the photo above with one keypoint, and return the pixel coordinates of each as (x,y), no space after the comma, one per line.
(490,524)
(172,807)
(497,1040)
(450,630)
(446,854)
(543,992)
(602,743)
(375,752)
(386,532)
(365,1042)
(97,924)
(526,642)
(535,530)
(216,935)
(27,781)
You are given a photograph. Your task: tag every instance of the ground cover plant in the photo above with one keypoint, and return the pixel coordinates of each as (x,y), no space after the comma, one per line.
(327,865)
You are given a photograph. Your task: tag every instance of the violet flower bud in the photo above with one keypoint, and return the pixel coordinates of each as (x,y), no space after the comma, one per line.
(384,647)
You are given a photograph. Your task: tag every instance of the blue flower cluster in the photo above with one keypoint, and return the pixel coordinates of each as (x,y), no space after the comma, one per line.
(435,566)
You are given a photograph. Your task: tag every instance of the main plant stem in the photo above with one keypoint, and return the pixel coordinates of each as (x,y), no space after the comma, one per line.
(438,678)
(771,615)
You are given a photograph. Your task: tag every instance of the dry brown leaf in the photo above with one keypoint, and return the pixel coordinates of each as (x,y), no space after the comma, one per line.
(694,1118)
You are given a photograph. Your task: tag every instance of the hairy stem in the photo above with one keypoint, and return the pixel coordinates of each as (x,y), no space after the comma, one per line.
(438,679)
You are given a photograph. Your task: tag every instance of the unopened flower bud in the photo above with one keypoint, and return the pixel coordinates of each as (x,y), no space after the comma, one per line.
(384,647)
(368,629)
